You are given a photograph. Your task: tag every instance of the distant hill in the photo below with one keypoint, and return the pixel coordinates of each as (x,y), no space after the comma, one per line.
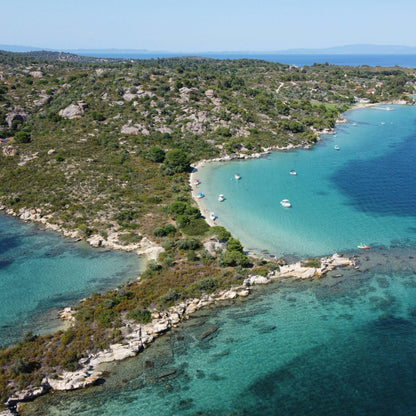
(363,49)
(356,50)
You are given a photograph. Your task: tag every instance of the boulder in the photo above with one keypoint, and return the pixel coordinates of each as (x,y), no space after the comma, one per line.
(9,151)
(72,111)
(256,280)
(210,93)
(19,115)
(42,100)
(95,240)
(130,129)
(36,74)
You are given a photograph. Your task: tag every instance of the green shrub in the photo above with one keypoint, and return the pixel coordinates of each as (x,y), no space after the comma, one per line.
(153,266)
(221,233)
(189,244)
(191,256)
(106,317)
(22,137)
(196,227)
(311,262)
(159,232)
(97,116)
(209,284)
(168,244)
(140,315)
(170,296)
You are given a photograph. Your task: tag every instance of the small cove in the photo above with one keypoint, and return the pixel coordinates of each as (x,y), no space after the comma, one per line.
(42,272)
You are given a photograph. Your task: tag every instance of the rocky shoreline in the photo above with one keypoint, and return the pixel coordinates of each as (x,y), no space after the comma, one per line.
(140,336)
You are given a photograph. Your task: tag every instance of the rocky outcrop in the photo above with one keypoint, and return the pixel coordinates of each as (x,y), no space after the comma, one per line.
(42,100)
(9,151)
(73,110)
(17,115)
(29,394)
(140,336)
(134,129)
(299,271)
(36,74)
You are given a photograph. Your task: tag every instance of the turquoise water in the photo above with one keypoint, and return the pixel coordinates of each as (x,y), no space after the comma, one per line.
(336,346)
(41,272)
(363,192)
(341,345)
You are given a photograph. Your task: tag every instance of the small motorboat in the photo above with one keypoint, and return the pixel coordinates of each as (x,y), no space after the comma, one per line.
(336,147)
(237,176)
(293,172)
(221,197)
(364,246)
(200,195)
(197,182)
(285,203)
(212,216)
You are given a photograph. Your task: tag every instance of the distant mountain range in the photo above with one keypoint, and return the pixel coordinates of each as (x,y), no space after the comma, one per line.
(364,49)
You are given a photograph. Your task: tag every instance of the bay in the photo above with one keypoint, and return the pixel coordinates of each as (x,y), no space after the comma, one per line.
(363,192)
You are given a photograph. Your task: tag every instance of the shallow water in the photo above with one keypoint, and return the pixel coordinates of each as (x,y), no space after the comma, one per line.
(41,272)
(341,345)
(340,198)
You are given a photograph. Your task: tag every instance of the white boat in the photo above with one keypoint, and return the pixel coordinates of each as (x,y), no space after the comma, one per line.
(285,203)
(293,172)
(200,195)
(212,216)
(237,176)
(221,197)
(336,147)
(197,182)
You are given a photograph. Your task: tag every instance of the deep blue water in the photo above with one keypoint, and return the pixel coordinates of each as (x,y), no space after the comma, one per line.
(342,345)
(407,61)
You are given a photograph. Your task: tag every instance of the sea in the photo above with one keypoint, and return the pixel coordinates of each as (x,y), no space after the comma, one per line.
(405,61)
(42,272)
(344,344)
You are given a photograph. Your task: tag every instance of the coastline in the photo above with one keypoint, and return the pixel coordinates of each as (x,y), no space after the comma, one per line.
(144,335)
(140,336)
(266,151)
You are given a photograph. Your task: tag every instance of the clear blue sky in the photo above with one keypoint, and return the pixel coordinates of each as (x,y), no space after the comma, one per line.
(209,25)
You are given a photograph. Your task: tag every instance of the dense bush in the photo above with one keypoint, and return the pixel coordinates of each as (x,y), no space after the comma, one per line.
(22,137)
(140,315)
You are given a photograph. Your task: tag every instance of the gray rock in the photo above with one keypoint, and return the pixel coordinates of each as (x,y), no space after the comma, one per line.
(72,111)
(42,100)
(20,115)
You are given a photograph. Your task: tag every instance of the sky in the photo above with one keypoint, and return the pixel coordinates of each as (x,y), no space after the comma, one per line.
(209,25)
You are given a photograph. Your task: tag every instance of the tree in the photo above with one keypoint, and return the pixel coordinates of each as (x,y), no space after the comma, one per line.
(177,160)
(234,245)
(22,137)
(155,154)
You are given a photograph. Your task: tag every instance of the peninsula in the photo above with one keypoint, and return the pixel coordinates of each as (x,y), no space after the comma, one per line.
(101,149)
